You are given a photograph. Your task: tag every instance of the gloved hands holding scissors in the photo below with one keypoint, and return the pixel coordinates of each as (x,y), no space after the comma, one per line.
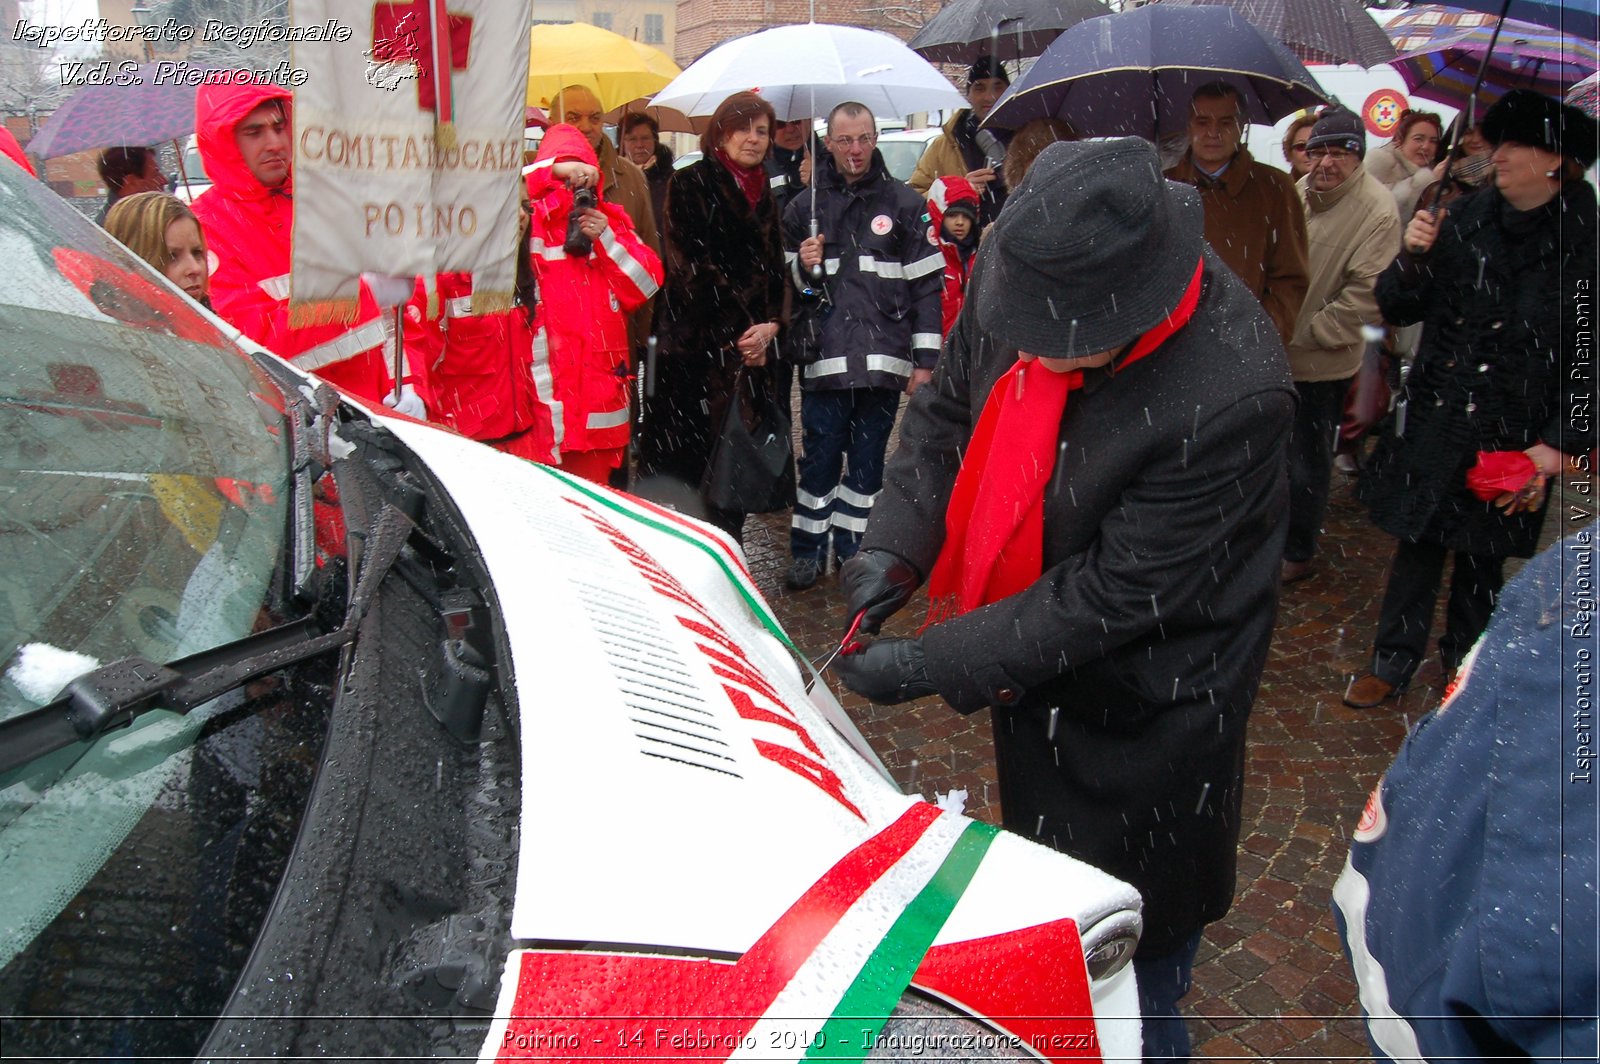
(887,672)
(878,582)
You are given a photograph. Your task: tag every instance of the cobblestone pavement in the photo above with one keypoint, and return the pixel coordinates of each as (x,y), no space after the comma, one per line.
(1271,981)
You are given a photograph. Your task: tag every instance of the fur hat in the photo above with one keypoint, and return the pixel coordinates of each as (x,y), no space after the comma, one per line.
(1093,250)
(987,66)
(1523,116)
(1338,128)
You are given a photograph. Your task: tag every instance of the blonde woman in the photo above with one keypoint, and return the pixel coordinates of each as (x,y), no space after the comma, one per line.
(161,230)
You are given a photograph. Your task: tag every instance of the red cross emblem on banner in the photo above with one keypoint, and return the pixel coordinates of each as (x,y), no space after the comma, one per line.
(1382,112)
(404,32)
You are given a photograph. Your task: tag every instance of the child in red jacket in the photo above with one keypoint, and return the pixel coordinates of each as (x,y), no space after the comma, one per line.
(953,210)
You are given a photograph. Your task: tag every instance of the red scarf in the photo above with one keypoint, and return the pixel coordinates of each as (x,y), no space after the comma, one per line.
(751,179)
(994,526)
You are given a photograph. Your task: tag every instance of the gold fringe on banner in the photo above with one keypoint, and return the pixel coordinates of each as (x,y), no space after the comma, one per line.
(490,302)
(444,135)
(322,312)
(430,288)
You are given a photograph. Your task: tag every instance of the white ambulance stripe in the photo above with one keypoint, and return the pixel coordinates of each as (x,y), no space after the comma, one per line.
(345,346)
(1390,1031)
(812,996)
(276,287)
(631,266)
(544,383)
(809,524)
(925,341)
(855,498)
(607,419)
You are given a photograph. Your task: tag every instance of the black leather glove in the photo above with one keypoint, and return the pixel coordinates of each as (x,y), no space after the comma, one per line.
(887,672)
(879,582)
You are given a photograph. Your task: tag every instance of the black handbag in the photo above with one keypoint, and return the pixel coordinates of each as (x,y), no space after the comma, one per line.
(752,461)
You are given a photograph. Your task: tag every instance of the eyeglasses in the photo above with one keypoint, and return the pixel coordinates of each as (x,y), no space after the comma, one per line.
(866,140)
(1338,155)
(1298,145)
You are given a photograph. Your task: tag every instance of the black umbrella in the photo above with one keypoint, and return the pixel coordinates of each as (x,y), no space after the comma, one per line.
(1317,31)
(968,29)
(1133,74)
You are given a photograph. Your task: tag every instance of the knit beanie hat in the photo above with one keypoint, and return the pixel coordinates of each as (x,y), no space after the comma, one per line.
(1338,128)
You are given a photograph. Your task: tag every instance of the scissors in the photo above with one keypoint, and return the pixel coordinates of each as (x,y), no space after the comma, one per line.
(848,645)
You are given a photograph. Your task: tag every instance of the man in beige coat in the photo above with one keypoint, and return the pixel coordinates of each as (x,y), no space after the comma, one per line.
(1254,218)
(1353,232)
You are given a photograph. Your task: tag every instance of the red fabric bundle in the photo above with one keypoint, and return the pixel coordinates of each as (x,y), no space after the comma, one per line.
(1498,473)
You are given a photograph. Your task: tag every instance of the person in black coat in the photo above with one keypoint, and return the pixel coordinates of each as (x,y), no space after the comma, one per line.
(721,306)
(1503,282)
(1119,630)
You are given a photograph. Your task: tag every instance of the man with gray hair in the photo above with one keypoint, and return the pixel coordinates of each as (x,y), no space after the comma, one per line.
(1093,486)
(1254,220)
(866,328)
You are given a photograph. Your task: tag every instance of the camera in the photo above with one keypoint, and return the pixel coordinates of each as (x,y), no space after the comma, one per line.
(578,242)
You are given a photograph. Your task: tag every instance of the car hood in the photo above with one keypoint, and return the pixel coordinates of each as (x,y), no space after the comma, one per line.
(684,795)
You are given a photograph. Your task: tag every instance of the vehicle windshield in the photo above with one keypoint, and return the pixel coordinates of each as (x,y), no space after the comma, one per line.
(143,507)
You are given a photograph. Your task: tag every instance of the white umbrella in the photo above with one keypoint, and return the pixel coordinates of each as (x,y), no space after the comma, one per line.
(806,70)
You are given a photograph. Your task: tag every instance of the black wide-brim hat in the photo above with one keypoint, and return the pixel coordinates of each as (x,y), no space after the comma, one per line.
(1094,249)
(1523,116)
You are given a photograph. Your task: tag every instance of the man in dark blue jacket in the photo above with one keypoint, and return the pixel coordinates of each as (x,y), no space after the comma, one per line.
(867,331)
(1468,902)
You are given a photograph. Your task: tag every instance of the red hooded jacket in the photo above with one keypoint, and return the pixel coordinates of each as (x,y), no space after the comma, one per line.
(957,260)
(247,227)
(480,371)
(580,339)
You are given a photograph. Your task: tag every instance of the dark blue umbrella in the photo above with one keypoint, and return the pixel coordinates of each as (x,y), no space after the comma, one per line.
(146,106)
(1133,74)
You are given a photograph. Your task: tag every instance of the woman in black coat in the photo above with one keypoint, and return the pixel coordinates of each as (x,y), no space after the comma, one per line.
(721,305)
(1503,282)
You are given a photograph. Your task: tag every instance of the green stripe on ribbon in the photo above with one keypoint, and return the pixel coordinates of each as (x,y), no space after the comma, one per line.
(757,606)
(850,1033)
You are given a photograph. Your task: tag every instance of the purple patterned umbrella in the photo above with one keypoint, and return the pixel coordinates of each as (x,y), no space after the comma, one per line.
(1585,96)
(1440,59)
(138,111)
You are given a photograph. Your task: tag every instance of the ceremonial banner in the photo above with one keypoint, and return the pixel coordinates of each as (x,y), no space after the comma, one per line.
(408,148)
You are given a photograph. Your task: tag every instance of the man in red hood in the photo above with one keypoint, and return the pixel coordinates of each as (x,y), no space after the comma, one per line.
(246,143)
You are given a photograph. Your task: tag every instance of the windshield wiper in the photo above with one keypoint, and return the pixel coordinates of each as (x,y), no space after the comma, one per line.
(113,695)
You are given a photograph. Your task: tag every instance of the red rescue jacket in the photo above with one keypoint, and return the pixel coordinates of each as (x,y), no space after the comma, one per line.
(580,336)
(957,260)
(480,371)
(247,227)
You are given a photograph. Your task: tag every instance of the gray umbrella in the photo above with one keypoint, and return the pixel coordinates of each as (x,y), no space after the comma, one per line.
(967,28)
(1316,31)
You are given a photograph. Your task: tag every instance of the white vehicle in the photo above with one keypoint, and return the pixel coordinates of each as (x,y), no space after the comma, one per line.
(903,148)
(377,742)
